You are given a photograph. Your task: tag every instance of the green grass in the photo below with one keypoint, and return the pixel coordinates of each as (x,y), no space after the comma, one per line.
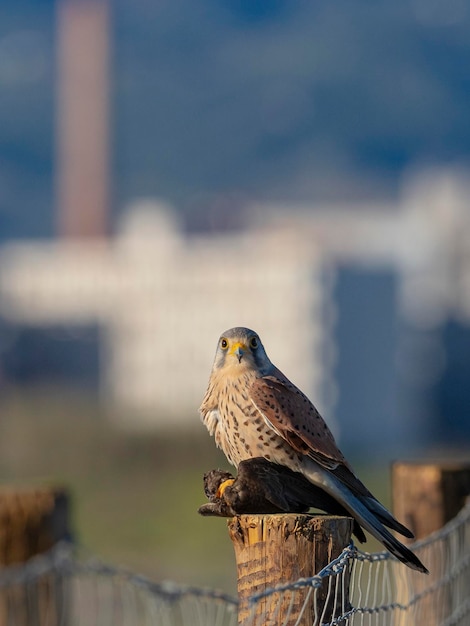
(134,497)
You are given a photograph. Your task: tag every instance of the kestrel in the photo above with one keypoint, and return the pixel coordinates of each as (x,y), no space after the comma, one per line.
(253,410)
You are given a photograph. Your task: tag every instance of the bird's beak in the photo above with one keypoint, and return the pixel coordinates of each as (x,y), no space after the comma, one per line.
(238,350)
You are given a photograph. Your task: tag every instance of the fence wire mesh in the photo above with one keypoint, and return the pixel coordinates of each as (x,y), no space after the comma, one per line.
(64,587)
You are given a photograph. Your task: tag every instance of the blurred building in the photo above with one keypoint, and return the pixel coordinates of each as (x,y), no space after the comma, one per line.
(402,329)
(366,308)
(160,300)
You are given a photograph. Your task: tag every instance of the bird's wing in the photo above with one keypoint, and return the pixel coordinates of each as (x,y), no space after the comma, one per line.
(294,418)
(291,414)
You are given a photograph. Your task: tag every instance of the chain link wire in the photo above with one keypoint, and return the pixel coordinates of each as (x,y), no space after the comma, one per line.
(66,587)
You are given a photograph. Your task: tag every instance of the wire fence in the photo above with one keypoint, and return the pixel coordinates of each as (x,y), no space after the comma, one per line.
(65,587)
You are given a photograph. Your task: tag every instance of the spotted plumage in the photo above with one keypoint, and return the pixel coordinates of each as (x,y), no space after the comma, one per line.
(253,410)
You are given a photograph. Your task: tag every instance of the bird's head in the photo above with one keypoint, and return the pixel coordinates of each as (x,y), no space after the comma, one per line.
(241,349)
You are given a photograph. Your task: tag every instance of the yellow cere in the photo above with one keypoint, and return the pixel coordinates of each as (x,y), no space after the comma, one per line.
(237,345)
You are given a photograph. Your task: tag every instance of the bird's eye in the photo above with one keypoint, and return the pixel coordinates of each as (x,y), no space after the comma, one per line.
(253,343)
(224,343)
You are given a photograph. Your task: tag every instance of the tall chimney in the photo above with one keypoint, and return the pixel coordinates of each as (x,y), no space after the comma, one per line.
(82,118)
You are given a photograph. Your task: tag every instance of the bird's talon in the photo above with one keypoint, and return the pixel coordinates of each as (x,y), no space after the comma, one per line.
(223,486)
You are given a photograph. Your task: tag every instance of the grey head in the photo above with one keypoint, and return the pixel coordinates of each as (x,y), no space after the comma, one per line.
(241,349)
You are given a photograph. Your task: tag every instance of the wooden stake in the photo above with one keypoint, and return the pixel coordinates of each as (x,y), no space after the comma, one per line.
(425,497)
(276,549)
(31,522)
(428,495)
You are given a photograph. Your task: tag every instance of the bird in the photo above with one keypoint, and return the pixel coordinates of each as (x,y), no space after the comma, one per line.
(253,410)
(262,487)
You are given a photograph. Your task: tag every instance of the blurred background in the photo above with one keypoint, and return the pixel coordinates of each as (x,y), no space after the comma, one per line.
(169,169)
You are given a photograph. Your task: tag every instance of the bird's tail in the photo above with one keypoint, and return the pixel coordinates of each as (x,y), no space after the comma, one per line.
(370,522)
(386,517)
(372,519)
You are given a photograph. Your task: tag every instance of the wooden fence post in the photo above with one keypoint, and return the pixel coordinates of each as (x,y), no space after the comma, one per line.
(428,495)
(31,522)
(281,548)
(425,497)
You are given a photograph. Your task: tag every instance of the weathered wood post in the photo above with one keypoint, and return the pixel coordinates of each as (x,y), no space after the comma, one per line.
(428,495)
(425,497)
(31,522)
(281,548)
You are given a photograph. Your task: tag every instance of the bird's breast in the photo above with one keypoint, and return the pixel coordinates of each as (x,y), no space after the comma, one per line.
(242,432)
